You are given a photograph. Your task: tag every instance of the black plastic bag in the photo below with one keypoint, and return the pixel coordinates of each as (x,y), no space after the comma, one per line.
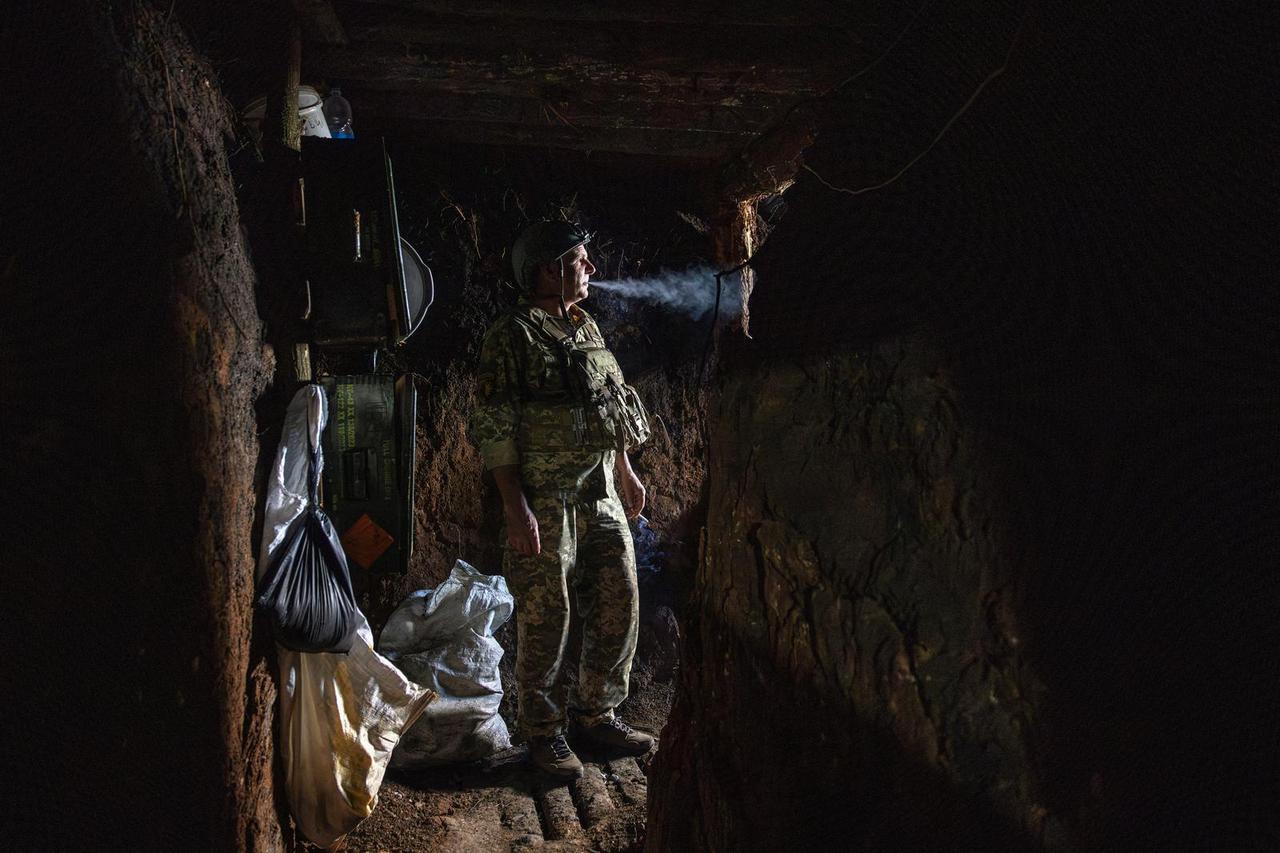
(306,590)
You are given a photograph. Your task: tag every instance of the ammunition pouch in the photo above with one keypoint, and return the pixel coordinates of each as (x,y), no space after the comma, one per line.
(593,410)
(630,414)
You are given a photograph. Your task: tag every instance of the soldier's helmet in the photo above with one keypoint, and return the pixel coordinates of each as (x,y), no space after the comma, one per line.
(540,243)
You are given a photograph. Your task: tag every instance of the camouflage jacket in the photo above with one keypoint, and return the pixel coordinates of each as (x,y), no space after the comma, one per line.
(541,392)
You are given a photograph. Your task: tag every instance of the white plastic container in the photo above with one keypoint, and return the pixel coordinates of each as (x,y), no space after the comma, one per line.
(310,114)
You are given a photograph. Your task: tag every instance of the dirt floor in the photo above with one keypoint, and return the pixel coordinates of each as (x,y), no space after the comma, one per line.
(502,803)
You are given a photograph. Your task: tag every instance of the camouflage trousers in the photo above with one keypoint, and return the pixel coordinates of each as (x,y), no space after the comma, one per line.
(586,548)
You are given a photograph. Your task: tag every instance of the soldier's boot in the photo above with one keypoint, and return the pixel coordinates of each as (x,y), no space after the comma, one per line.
(614,736)
(552,755)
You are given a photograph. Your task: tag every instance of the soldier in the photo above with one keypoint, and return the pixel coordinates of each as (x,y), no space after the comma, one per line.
(554,421)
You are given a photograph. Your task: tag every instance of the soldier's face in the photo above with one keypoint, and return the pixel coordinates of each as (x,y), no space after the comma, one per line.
(578,270)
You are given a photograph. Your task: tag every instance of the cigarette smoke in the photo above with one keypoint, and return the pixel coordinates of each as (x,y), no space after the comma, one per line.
(691,291)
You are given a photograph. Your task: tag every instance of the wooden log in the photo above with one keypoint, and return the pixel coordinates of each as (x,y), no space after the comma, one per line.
(735,238)
(481,95)
(629,779)
(280,123)
(566,75)
(760,13)
(520,815)
(560,818)
(591,795)
(768,165)
(683,144)
(728,48)
(428,105)
(284,294)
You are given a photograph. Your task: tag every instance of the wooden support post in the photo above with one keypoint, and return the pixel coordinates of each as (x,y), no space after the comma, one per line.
(767,166)
(735,237)
(281,143)
(280,125)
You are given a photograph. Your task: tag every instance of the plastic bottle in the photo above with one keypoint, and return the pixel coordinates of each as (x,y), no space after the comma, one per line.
(337,112)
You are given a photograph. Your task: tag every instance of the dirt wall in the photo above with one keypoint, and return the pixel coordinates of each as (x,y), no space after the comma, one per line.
(133,357)
(1022,393)
(855,677)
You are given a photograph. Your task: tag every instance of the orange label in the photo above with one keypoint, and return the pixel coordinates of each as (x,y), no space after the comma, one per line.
(365,541)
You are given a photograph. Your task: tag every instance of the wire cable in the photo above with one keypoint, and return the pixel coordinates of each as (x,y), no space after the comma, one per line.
(715,315)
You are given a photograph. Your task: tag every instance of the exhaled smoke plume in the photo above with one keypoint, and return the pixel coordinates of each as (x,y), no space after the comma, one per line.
(691,291)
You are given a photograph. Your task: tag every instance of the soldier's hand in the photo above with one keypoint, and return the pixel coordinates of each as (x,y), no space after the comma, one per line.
(522,528)
(632,493)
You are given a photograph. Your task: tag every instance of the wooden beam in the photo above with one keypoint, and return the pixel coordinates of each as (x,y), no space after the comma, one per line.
(680,144)
(700,13)
(724,48)
(565,78)
(589,97)
(739,123)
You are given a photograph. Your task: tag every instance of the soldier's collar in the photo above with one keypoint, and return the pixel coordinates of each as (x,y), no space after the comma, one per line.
(577,316)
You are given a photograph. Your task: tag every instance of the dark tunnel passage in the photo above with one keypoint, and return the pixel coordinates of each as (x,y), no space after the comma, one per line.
(962,526)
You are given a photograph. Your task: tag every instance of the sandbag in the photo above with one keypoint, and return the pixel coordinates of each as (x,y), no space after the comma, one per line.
(341,715)
(442,639)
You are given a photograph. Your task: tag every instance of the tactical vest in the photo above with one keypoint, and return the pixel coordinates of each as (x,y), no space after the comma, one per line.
(573,394)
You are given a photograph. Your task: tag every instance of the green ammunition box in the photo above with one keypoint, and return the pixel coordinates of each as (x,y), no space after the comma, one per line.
(368,472)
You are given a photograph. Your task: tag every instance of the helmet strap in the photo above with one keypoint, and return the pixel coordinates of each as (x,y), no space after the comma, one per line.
(564,308)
